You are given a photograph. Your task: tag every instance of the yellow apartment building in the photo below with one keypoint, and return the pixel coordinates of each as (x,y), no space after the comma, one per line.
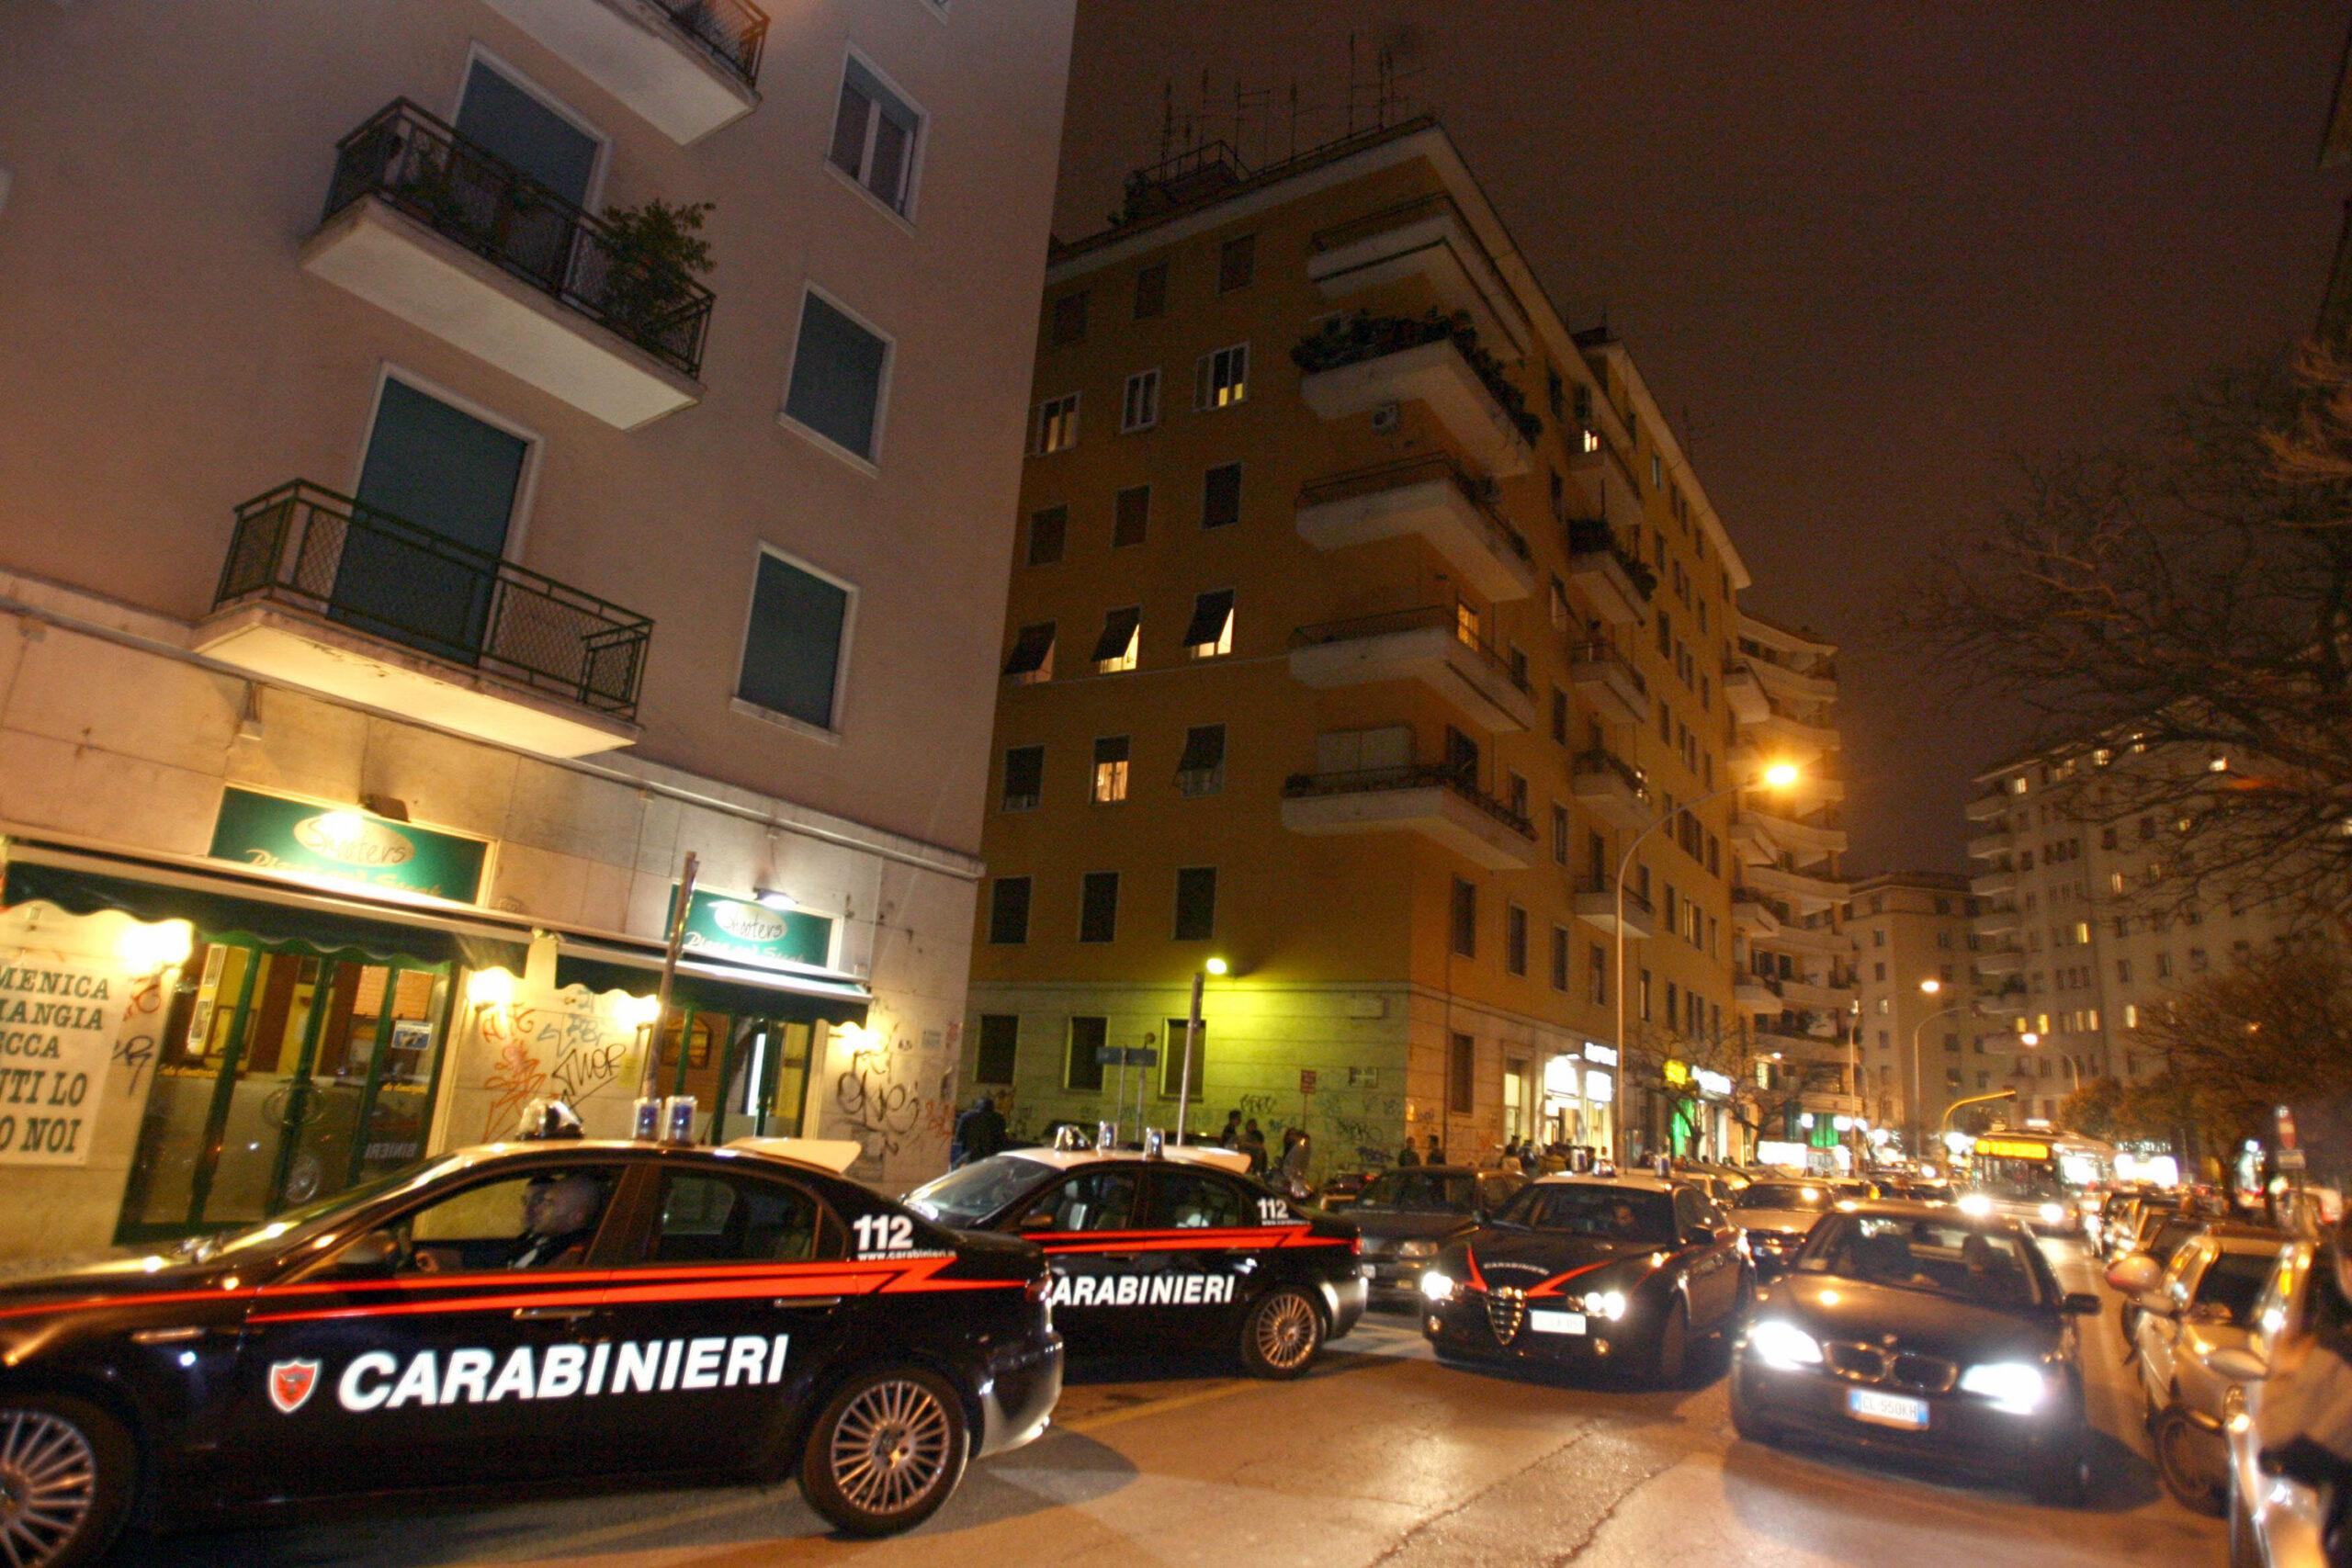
(1362,616)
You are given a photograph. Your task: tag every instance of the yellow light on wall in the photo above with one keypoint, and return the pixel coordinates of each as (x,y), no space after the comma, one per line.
(143,949)
(489,988)
(1216,967)
(1781,775)
(1931,985)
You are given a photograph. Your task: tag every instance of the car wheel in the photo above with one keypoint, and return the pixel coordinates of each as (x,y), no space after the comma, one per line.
(1745,1420)
(2185,1463)
(66,1480)
(886,1451)
(2065,1481)
(1280,1335)
(1743,1302)
(1671,1358)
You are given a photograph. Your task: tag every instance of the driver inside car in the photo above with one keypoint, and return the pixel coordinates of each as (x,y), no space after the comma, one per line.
(559,1214)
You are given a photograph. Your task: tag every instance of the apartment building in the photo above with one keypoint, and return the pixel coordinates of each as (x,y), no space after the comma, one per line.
(1927,1005)
(1795,983)
(1363,616)
(457,458)
(2074,911)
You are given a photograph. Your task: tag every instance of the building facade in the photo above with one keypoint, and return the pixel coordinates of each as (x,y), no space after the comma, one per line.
(1927,1009)
(1361,617)
(500,449)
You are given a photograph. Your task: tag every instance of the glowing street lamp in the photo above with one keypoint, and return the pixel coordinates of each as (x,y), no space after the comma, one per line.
(1213,966)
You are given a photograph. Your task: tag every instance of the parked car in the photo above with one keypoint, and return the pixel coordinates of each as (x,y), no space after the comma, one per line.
(2290,1422)
(1925,1331)
(1341,1191)
(2201,1302)
(1775,1216)
(2166,1232)
(1590,1271)
(1408,1216)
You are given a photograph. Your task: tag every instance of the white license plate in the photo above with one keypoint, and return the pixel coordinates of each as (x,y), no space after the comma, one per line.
(1543,1322)
(1887,1409)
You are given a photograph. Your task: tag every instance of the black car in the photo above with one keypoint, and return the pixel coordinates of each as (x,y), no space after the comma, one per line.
(1180,1248)
(1591,1271)
(1407,1217)
(1924,1330)
(526,1316)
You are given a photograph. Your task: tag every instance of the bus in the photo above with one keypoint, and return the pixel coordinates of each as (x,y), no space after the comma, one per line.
(2038,1177)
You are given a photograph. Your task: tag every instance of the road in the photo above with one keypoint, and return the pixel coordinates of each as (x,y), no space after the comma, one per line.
(1379,1455)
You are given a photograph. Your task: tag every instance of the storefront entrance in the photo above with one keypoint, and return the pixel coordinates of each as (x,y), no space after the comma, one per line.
(748,1074)
(283,1073)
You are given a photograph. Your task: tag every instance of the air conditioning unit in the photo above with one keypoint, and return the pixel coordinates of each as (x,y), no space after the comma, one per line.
(1383,418)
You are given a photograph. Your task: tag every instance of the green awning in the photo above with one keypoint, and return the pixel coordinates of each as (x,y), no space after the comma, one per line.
(325,927)
(754,996)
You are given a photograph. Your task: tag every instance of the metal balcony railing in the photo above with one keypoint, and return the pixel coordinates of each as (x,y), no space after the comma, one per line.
(420,164)
(1607,654)
(1600,887)
(308,548)
(1600,760)
(1412,775)
(1411,620)
(1588,535)
(1377,478)
(730,31)
(1360,336)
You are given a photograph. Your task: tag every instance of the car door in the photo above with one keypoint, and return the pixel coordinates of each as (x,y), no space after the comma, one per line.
(734,1290)
(1086,1223)
(1713,1266)
(420,1354)
(1212,1257)
(2158,1333)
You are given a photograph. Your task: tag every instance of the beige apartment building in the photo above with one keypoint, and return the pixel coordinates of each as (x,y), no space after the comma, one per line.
(1932,1018)
(410,551)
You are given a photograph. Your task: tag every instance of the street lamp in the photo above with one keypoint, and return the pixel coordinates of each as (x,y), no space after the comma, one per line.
(1929,987)
(2029,1039)
(1778,776)
(1191,1042)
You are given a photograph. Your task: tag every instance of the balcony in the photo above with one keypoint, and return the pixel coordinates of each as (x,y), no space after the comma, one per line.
(1988,846)
(1425,645)
(1996,916)
(425,224)
(1610,682)
(1753,916)
(1433,498)
(1792,740)
(1612,789)
(1359,363)
(1807,839)
(1787,685)
(1615,582)
(1753,993)
(688,66)
(1813,995)
(322,592)
(1822,941)
(1984,807)
(1807,895)
(2000,882)
(1996,962)
(1429,239)
(1744,694)
(1596,904)
(1441,803)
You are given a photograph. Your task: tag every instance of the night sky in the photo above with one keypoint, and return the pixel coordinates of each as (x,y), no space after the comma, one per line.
(1867,255)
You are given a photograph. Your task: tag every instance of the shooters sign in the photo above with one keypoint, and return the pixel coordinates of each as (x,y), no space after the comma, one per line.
(57,1029)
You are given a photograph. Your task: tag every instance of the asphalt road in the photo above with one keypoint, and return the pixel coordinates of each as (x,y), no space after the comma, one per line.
(1379,1455)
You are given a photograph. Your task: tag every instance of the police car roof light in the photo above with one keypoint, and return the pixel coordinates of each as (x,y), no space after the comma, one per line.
(1155,1142)
(1068,1138)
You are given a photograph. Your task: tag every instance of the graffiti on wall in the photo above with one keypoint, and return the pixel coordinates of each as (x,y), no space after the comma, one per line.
(569,1053)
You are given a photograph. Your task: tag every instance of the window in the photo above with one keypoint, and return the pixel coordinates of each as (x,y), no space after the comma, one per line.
(1032,659)
(1174,1057)
(1596,975)
(1130,516)
(1068,323)
(1196,905)
(1559,715)
(1000,1046)
(1516,795)
(733,1219)
(875,133)
(1048,527)
(1559,834)
(1466,919)
(1057,425)
(1024,777)
(1110,770)
(1221,496)
(1097,1200)
(1559,958)
(1211,631)
(1222,380)
(1082,1057)
(1515,939)
(1009,911)
(1139,405)
(1237,262)
(1201,769)
(838,370)
(1098,906)
(481,1227)
(793,646)
(1187,1200)
(1121,642)
(2123,970)
(1151,291)
(1461,1073)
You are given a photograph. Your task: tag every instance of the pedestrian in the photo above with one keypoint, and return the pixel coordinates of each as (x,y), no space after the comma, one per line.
(1298,1152)
(1253,1144)
(1231,1138)
(979,1133)
(1408,1155)
(1436,1155)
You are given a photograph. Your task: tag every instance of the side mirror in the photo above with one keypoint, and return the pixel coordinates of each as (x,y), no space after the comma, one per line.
(2080,1303)
(2135,1275)
(2238,1365)
(1036,1219)
(2156,1303)
(376,1253)
(1698,1235)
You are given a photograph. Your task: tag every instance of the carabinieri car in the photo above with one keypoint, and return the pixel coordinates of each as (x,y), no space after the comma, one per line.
(525,1317)
(1592,1272)
(1179,1249)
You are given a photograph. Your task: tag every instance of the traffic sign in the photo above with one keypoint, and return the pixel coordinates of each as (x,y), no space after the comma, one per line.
(1127,1055)
(1306,1080)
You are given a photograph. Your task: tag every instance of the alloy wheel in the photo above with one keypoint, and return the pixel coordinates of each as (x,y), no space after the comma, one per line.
(890,1447)
(49,1481)
(1285,1332)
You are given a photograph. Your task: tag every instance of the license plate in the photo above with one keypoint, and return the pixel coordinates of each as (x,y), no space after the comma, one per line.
(1543,1322)
(1886,1410)
(1369,1271)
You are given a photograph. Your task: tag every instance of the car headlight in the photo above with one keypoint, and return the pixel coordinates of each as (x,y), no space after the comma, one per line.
(1417,1249)
(1783,1345)
(1437,1287)
(2053,1215)
(1609,1305)
(1977,1203)
(2013,1386)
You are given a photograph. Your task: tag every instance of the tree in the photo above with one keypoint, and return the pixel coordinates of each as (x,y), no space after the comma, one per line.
(2175,602)
(2274,1028)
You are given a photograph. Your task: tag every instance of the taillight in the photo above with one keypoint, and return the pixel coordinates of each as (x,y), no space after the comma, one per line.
(1355,1244)
(1034,1291)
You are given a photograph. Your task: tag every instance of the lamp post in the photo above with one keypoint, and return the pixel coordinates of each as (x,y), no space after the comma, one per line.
(1191,1043)
(1780,775)
(2074,1074)
(1929,987)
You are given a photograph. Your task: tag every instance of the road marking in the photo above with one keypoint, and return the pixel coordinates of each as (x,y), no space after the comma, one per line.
(1155,1407)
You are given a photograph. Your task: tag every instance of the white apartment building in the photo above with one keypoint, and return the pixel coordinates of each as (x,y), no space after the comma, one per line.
(1932,1025)
(409,555)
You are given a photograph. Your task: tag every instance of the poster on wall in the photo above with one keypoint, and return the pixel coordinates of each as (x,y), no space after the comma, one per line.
(57,1029)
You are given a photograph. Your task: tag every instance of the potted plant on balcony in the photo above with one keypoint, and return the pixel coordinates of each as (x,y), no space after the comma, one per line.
(654,257)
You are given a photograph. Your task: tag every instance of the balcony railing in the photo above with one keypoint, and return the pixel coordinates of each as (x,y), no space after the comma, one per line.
(1638,907)
(1359,336)
(1413,620)
(1437,204)
(1606,654)
(1383,477)
(420,165)
(728,30)
(306,547)
(1414,776)
(1600,760)
(1587,535)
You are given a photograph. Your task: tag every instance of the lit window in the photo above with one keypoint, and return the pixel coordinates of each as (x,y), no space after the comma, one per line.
(1469,625)
(1110,770)
(1211,632)
(1139,409)
(2131,1015)
(1121,642)
(1057,425)
(1222,379)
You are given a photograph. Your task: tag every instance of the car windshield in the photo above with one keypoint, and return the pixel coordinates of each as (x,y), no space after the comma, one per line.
(1782,1195)
(1619,1213)
(970,1193)
(2235,1282)
(1420,1192)
(1944,1258)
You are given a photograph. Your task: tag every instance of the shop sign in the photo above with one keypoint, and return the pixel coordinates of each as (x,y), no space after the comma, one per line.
(742,931)
(346,844)
(1598,1087)
(1677,1073)
(2011,1148)
(57,1030)
(1594,1050)
(1714,1083)
(1560,1077)
(1306,1080)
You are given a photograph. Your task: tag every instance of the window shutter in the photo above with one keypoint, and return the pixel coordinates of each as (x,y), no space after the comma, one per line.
(1031,651)
(1118,631)
(1210,613)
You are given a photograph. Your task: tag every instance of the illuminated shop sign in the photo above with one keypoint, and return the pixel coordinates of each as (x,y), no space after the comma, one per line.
(344,843)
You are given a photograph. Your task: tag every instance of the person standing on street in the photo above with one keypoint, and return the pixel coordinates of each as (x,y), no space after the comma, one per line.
(1408,1155)
(979,1133)
(1253,1144)
(1298,1150)
(1231,1138)
(1436,1155)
